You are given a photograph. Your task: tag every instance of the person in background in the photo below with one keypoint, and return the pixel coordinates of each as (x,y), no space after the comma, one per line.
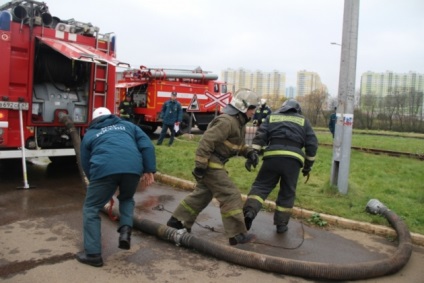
(114,154)
(286,132)
(261,113)
(332,121)
(126,108)
(223,139)
(172,115)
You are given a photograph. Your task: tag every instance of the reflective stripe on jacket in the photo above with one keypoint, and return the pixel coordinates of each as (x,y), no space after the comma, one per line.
(286,134)
(223,139)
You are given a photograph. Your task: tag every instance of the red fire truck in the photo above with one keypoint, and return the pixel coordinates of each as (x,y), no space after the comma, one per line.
(199,93)
(49,67)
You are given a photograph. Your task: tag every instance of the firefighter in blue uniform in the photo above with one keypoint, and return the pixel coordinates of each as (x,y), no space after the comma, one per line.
(285,133)
(114,154)
(332,121)
(172,115)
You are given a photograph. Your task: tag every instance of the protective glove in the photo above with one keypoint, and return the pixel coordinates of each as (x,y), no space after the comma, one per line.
(305,171)
(255,122)
(198,173)
(307,167)
(252,160)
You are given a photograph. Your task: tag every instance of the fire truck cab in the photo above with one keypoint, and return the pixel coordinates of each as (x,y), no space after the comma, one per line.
(49,67)
(200,94)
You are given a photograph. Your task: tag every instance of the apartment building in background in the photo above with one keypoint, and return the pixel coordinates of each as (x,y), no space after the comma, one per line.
(290,92)
(308,82)
(264,83)
(382,84)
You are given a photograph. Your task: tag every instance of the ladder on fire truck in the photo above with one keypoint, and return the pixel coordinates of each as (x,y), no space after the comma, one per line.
(101,73)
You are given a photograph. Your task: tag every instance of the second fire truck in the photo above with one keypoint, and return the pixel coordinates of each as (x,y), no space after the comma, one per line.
(199,93)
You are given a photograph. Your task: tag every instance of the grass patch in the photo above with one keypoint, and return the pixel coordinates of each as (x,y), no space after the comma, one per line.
(395,181)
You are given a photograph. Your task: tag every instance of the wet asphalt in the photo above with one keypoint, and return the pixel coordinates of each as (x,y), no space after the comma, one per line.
(41,230)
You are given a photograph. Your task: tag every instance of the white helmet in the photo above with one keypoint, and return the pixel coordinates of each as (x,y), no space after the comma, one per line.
(101,111)
(242,100)
(263,101)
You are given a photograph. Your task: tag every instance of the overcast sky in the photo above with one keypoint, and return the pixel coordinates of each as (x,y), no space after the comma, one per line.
(267,35)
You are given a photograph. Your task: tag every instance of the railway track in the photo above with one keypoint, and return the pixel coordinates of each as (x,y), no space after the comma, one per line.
(382,151)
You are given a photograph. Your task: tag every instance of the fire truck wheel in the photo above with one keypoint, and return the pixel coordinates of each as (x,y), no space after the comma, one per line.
(150,130)
(153,129)
(202,127)
(185,124)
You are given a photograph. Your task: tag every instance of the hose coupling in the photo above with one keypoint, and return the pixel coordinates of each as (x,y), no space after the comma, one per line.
(178,235)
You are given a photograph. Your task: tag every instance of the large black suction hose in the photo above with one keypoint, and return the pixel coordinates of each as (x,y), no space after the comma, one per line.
(327,271)
(76,141)
(316,270)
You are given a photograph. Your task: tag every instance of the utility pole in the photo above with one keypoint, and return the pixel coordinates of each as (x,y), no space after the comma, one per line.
(343,132)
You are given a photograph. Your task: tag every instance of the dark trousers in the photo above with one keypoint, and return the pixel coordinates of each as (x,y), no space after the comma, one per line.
(99,192)
(163,133)
(273,170)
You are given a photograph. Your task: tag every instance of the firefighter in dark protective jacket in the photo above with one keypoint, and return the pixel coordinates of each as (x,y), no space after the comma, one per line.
(126,108)
(223,139)
(261,113)
(285,133)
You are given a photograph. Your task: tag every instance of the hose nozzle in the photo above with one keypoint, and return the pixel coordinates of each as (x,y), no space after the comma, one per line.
(374,206)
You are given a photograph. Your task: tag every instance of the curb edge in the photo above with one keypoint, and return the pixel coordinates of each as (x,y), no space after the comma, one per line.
(379,230)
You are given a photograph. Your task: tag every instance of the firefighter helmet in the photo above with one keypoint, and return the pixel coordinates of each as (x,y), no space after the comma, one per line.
(242,100)
(289,105)
(100,112)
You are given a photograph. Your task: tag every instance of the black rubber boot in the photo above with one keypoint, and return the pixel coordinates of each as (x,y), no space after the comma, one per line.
(282,228)
(174,223)
(283,222)
(248,218)
(93,260)
(242,239)
(125,237)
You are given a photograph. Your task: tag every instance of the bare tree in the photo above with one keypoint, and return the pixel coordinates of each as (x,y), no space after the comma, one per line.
(368,106)
(415,103)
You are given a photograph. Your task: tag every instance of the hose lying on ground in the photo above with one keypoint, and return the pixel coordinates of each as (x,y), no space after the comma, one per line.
(327,271)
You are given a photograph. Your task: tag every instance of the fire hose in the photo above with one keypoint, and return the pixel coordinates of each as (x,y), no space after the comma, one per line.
(316,270)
